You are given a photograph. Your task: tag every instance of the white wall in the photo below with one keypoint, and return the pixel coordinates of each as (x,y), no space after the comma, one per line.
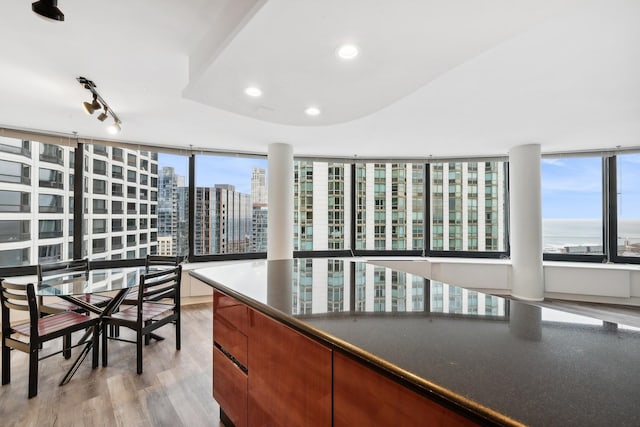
(616,284)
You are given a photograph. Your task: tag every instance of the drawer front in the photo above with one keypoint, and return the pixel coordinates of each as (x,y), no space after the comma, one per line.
(230,319)
(230,388)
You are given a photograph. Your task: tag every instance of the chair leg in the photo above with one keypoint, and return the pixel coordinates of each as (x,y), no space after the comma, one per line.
(147,337)
(139,338)
(104,344)
(96,344)
(33,372)
(178,332)
(66,346)
(6,364)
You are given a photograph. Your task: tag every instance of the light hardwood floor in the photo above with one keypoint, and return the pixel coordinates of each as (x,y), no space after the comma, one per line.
(174,390)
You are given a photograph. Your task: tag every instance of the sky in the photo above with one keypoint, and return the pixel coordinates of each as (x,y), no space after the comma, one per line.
(571,187)
(211,170)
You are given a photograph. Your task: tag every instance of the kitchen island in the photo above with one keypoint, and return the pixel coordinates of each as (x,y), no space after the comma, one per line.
(341,342)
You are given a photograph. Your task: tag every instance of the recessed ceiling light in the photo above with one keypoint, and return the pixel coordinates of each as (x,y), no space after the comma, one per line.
(312,111)
(348,51)
(253,91)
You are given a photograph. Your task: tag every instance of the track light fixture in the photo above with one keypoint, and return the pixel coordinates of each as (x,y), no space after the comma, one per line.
(48,9)
(102,116)
(99,103)
(114,127)
(92,106)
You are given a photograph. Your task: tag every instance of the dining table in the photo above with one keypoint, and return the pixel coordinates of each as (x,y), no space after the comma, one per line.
(72,286)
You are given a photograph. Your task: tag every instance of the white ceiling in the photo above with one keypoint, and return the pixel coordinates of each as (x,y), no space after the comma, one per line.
(433,78)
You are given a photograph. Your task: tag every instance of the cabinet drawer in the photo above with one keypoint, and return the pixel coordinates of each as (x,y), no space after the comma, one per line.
(230,388)
(230,319)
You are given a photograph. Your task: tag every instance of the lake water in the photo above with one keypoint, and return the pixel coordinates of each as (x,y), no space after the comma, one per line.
(558,233)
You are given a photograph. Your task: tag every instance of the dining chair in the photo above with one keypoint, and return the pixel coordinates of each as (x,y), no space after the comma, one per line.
(147,315)
(67,267)
(29,336)
(152,261)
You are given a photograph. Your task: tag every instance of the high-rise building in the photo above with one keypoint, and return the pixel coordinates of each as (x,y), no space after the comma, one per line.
(259,222)
(320,212)
(37,193)
(168,208)
(260,209)
(259,186)
(466,206)
(392,291)
(223,220)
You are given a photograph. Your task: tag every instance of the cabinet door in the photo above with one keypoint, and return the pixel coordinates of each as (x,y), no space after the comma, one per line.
(289,376)
(363,397)
(230,388)
(230,319)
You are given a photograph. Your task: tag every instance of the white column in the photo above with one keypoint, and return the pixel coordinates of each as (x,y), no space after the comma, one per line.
(280,202)
(525,208)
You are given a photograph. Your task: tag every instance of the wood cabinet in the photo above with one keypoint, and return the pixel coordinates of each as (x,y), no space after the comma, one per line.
(289,376)
(230,388)
(230,379)
(363,397)
(266,373)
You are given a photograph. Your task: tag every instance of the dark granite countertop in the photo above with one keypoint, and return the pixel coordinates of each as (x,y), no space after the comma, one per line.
(536,365)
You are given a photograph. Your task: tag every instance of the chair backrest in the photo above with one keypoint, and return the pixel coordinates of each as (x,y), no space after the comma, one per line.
(18,298)
(160,284)
(56,268)
(161,260)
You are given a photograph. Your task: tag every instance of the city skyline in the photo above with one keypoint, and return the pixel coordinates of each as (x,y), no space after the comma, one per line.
(571,187)
(212,170)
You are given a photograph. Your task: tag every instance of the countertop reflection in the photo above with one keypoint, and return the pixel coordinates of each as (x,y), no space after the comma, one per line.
(536,365)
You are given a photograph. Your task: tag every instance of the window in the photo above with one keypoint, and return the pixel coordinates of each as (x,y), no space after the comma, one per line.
(116,190)
(14,172)
(131,176)
(131,224)
(223,204)
(99,186)
(100,206)
(116,207)
(50,178)
(14,231)
(51,153)
(49,228)
(572,205)
(99,225)
(15,257)
(116,172)
(131,160)
(98,246)
(99,167)
(116,225)
(117,154)
(50,203)
(15,146)
(100,150)
(628,177)
(467,203)
(116,242)
(14,201)
(49,253)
